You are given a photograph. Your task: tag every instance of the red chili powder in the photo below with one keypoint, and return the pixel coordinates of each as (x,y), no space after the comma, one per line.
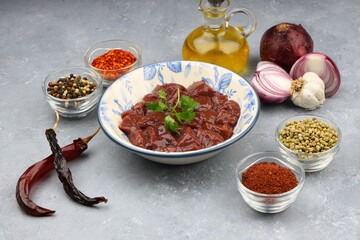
(269,178)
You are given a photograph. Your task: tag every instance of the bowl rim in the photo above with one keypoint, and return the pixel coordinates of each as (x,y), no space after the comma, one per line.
(333,124)
(287,160)
(98,89)
(214,148)
(89,52)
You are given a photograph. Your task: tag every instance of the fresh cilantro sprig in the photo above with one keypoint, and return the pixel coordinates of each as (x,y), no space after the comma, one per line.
(186,103)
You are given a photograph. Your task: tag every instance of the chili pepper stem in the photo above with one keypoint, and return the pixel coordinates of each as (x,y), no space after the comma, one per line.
(87,139)
(56,121)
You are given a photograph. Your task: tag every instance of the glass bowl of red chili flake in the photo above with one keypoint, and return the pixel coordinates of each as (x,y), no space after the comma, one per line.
(73,91)
(269,182)
(113,58)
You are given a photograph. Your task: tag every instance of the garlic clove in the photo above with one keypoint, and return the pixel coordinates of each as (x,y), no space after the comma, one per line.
(308,91)
(306,99)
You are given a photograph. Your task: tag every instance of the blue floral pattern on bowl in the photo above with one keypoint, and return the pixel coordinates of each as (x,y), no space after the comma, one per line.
(130,88)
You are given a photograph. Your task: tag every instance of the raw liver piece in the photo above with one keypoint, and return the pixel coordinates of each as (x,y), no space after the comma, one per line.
(169,138)
(205,103)
(209,138)
(131,122)
(152,119)
(155,142)
(226,117)
(206,116)
(151,97)
(138,108)
(219,101)
(223,131)
(127,112)
(137,138)
(200,88)
(188,140)
(232,107)
(169,88)
(150,132)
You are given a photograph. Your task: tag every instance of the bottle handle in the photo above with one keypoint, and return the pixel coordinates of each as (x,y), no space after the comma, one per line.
(248,29)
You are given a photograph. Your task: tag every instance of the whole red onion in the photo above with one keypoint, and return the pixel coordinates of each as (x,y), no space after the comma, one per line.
(285,43)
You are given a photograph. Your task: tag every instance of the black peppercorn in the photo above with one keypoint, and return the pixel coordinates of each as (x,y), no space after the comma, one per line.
(70,87)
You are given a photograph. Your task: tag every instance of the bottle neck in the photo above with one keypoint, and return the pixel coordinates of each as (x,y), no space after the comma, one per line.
(214,20)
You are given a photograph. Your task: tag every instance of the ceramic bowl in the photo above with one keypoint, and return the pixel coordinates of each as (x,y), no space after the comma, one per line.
(130,89)
(269,203)
(109,76)
(77,107)
(311,162)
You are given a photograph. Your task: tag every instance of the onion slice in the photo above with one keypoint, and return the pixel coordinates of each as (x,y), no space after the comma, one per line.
(323,66)
(271,82)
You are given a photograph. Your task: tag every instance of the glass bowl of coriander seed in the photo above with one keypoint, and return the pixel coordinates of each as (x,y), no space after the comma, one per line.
(311,140)
(73,91)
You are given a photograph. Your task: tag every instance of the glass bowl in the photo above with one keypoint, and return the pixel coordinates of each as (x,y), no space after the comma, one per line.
(311,162)
(269,203)
(109,76)
(77,107)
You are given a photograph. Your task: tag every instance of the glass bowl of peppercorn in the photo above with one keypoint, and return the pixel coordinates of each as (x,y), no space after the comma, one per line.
(113,58)
(311,140)
(269,182)
(73,91)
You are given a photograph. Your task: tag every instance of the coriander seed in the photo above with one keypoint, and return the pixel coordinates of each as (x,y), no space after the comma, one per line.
(308,136)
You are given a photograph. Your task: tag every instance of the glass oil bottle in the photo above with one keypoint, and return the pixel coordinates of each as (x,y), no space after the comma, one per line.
(216,41)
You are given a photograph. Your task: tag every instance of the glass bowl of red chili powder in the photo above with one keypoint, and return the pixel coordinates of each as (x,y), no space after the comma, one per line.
(269,181)
(113,58)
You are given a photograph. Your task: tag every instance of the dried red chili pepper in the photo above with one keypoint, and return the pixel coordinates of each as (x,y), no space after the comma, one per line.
(64,172)
(269,178)
(38,170)
(115,59)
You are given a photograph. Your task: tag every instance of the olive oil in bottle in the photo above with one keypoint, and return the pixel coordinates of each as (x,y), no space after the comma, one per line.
(216,42)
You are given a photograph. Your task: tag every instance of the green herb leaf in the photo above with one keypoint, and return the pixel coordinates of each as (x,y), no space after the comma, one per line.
(156,106)
(170,124)
(188,104)
(185,116)
(162,94)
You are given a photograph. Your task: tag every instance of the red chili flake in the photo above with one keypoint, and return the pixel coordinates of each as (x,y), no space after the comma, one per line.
(269,178)
(113,60)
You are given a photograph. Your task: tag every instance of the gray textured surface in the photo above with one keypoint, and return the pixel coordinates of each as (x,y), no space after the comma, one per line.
(149,200)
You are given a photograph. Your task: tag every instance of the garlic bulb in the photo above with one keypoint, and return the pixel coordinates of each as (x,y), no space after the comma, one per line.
(308,91)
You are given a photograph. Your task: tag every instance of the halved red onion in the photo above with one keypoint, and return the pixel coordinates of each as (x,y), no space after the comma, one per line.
(271,82)
(323,66)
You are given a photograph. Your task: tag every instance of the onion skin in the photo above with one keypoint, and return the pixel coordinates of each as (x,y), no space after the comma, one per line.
(323,66)
(285,43)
